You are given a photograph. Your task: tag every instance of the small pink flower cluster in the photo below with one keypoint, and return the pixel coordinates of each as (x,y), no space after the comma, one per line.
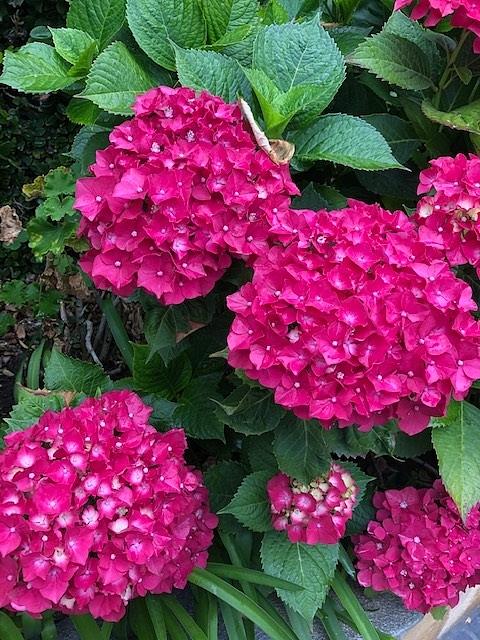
(181,186)
(419,548)
(448,216)
(464,14)
(314,513)
(356,321)
(97,508)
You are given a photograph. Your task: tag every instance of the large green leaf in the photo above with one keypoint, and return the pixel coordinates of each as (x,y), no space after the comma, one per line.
(346,140)
(222,481)
(115,79)
(156,26)
(311,566)
(456,439)
(250,503)
(151,375)
(30,407)
(47,237)
(300,449)
(399,134)
(224,16)
(76,47)
(68,374)
(293,55)
(101,19)
(35,68)
(213,72)
(466,118)
(250,410)
(396,60)
(196,409)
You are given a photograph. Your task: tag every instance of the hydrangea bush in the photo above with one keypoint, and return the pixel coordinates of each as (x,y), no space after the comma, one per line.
(285,198)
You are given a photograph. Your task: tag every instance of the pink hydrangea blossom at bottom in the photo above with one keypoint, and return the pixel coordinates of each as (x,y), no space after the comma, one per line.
(419,549)
(314,513)
(97,508)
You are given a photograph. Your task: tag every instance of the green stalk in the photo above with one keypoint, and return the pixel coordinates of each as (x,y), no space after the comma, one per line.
(117,329)
(330,622)
(444,80)
(353,607)
(88,629)
(33,368)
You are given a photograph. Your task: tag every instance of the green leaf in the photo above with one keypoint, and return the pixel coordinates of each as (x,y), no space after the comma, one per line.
(68,374)
(411,446)
(396,60)
(59,182)
(250,503)
(196,409)
(249,575)
(222,481)
(348,39)
(292,55)
(76,47)
(274,13)
(101,19)
(220,75)
(346,140)
(224,16)
(30,407)
(274,628)
(7,321)
(399,134)
(47,237)
(236,36)
(156,26)
(8,629)
(250,410)
(456,438)
(35,68)
(300,450)
(82,111)
(311,566)
(115,79)
(466,118)
(151,375)
(259,450)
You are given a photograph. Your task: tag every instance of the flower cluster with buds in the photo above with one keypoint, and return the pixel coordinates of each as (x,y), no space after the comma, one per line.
(419,548)
(448,215)
(464,14)
(97,508)
(356,321)
(314,513)
(181,188)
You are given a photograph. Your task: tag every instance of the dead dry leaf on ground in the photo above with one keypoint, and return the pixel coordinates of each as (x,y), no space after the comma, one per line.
(10,224)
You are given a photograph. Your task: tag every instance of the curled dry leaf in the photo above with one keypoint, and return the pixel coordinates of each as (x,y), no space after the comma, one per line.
(10,224)
(67,396)
(280,151)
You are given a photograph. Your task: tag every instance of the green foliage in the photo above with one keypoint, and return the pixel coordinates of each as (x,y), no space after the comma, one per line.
(250,410)
(115,78)
(156,26)
(30,407)
(68,374)
(312,567)
(213,72)
(226,16)
(101,19)
(36,68)
(346,140)
(250,504)
(455,440)
(300,449)
(401,54)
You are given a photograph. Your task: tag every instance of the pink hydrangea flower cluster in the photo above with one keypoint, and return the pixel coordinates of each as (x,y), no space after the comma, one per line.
(181,186)
(314,513)
(356,321)
(97,508)
(464,14)
(448,215)
(419,548)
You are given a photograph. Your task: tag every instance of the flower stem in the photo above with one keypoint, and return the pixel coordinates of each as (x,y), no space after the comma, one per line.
(353,607)
(445,79)
(117,329)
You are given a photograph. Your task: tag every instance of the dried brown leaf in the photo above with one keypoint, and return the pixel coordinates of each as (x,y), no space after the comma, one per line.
(10,225)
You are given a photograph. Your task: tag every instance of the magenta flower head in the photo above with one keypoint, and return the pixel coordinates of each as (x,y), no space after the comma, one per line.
(97,508)
(314,513)
(464,14)
(419,548)
(181,186)
(448,216)
(355,321)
